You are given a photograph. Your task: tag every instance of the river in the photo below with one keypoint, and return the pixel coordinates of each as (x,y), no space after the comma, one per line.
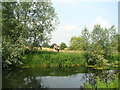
(53,77)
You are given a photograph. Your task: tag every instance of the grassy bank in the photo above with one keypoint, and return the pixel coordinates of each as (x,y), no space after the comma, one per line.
(62,59)
(48,59)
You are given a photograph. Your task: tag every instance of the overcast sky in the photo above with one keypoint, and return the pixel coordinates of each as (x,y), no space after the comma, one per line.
(74,15)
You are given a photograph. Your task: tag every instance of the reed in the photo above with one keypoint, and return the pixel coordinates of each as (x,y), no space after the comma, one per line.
(60,59)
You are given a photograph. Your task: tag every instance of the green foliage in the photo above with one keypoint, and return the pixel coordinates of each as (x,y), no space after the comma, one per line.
(76,43)
(46,45)
(97,56)
(99,43)
(113,57)
(86,39)
(45,58)
(12,39)
(106,38)
(42,20)
(11,53)
(81,42)
(103,44)
(25,23)
(63,46)
(112,83)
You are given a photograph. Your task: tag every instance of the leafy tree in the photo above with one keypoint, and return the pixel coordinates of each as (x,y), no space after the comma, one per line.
(81,42)
(11,36)
(86,38)
(103,40)
(100,44)
(106,38)
(63,46)
(76,43)
(25,23)
(42,20)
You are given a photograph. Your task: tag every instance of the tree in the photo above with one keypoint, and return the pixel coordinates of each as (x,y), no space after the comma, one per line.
(25,23)
(100,44)
(42,22)
(81,42)
(11,36)
(76,43)
(105,37)
(103,40)
(86,38)
(63,46)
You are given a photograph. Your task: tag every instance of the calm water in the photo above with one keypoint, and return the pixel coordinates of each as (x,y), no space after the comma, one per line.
(52,77)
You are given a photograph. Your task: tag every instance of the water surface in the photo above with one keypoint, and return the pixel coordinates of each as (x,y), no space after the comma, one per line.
(53,77)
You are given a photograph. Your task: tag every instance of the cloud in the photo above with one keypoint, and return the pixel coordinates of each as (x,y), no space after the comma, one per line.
(64,33)
(103,22)
(69,27)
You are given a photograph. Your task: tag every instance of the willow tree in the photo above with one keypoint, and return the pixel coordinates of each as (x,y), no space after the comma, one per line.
(106,38)
(25,23)
(86,39)
(103,44)
(41,21)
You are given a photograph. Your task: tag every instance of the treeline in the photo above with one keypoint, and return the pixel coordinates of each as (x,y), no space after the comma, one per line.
(100,44)
(25,24)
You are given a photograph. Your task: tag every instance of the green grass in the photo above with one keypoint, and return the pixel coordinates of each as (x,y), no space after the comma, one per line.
(46,58)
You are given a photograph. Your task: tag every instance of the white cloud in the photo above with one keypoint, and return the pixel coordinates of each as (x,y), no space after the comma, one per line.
(69,27)
(103,22)
(64,33)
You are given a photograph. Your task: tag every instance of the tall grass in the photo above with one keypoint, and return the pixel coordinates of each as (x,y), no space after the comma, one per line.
(46,58)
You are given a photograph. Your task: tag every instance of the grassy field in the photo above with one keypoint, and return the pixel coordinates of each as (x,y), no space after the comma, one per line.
(49,58)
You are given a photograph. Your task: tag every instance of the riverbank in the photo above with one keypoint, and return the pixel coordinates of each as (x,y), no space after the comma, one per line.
(61,59)
(58,59)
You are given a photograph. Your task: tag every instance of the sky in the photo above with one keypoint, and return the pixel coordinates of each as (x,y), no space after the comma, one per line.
(74,15)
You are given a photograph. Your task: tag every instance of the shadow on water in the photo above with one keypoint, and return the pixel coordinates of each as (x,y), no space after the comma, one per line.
(53,77)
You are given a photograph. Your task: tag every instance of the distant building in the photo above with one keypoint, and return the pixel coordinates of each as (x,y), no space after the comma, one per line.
(56,48)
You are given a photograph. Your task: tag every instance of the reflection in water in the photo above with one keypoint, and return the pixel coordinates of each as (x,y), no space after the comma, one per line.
(53,77)
(31,82)
(72,81)
(104,76)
